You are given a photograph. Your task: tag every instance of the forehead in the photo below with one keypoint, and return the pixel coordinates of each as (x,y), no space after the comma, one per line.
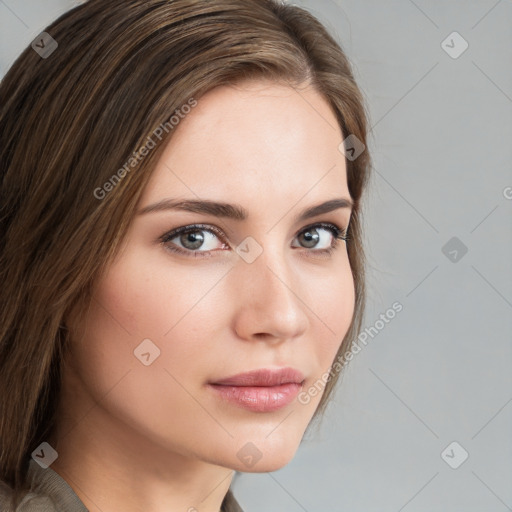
(264,144)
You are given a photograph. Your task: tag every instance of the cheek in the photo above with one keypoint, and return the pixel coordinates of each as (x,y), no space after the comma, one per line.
(332,306)
(150,297)
(173,308)
(180,316)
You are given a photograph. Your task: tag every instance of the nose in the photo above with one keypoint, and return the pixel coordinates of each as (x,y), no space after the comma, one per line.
(268,302)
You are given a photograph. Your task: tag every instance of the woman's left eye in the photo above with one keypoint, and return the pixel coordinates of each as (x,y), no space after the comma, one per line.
(189,239)
(313,235)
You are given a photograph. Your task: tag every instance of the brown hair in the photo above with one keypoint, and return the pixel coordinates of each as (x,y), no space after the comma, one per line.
(69,121)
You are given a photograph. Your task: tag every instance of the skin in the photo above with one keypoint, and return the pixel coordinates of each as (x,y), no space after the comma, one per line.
(155,438)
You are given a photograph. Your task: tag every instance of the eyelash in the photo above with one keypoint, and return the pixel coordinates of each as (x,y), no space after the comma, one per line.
(337,232)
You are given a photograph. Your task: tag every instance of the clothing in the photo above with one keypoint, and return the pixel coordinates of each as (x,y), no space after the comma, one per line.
(49,492)
(230,503)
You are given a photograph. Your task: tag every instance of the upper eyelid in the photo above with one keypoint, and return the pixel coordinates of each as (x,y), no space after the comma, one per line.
(194,227)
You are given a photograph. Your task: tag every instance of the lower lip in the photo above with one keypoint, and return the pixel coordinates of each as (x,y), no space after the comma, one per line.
(259,398)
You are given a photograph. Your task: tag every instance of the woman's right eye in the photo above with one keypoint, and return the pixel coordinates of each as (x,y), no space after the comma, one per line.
(190,239)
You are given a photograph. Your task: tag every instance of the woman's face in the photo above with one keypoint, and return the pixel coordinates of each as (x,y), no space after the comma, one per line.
(260,292)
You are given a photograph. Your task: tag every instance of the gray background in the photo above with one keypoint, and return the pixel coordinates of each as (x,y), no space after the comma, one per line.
(440,371)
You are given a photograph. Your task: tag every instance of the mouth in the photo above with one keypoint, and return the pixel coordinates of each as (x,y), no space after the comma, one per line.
(263,390)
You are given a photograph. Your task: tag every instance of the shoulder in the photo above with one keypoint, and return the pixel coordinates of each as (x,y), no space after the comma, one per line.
(31,502)
(47,492)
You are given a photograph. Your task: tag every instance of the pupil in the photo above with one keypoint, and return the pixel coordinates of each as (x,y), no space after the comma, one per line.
(192,240)
(311,237)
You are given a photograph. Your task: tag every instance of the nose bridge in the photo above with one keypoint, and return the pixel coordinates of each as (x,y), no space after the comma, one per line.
(267,295)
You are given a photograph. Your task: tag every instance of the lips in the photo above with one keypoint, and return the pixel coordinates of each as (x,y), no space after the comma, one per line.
(263,377)
(261,391)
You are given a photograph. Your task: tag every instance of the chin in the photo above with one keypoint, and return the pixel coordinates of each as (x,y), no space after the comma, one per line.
(272,463)
(264,453)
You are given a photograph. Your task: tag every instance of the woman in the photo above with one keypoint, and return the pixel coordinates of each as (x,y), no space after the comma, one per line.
(181,254)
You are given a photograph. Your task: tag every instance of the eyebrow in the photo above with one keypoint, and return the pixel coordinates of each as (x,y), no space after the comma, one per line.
(238,212)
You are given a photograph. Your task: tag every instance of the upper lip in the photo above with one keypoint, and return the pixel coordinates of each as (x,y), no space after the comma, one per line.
(263,377)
